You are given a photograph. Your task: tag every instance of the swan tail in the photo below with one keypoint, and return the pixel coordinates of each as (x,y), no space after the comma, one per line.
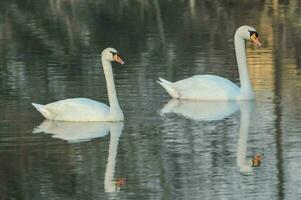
(167,85)
(164,81)
(44,111)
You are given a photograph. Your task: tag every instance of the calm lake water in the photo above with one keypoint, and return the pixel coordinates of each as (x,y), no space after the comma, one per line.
(50,50)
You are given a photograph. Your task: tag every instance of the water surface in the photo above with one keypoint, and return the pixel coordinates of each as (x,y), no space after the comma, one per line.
(50,50)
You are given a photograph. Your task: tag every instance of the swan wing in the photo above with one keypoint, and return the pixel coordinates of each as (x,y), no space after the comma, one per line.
(77,109)
(206,87)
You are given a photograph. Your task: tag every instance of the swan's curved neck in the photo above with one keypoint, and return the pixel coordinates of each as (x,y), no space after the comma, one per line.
(245,83)
(107,68)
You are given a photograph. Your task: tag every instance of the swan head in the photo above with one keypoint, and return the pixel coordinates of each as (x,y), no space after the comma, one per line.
(111,54)
(248,33)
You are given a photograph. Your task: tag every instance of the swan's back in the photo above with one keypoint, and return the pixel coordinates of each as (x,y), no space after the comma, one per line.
(75,109)
(206,87)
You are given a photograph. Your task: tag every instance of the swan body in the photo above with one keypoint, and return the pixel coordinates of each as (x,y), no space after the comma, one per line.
(202,87)
(74,109)
(83,109)
(211,87)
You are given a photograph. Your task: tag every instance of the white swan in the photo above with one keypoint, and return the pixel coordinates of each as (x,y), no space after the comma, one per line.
(83,109)
(211,87)
(74,132)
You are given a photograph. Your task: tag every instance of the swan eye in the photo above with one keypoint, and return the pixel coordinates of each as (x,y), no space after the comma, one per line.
(253,34)
(114,53)
(254,38)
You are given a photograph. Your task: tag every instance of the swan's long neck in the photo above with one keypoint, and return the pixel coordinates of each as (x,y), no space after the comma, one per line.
(246,87)
(113,100)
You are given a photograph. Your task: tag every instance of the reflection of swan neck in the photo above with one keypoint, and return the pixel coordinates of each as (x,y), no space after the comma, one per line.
(245,116)
(246,87)
(107,68)
(115,132)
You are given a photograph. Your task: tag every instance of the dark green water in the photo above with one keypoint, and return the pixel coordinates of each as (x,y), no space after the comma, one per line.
(50,50)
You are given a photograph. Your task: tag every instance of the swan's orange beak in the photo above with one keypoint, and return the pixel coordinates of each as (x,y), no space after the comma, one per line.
(255,40)
(117,58)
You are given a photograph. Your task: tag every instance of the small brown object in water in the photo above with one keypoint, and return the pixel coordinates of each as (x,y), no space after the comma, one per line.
(120,182)
(256,160)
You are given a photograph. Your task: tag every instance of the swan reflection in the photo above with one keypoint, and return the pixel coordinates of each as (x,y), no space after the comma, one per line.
(218,110)
(245,165)
(201,110)
(74,132)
